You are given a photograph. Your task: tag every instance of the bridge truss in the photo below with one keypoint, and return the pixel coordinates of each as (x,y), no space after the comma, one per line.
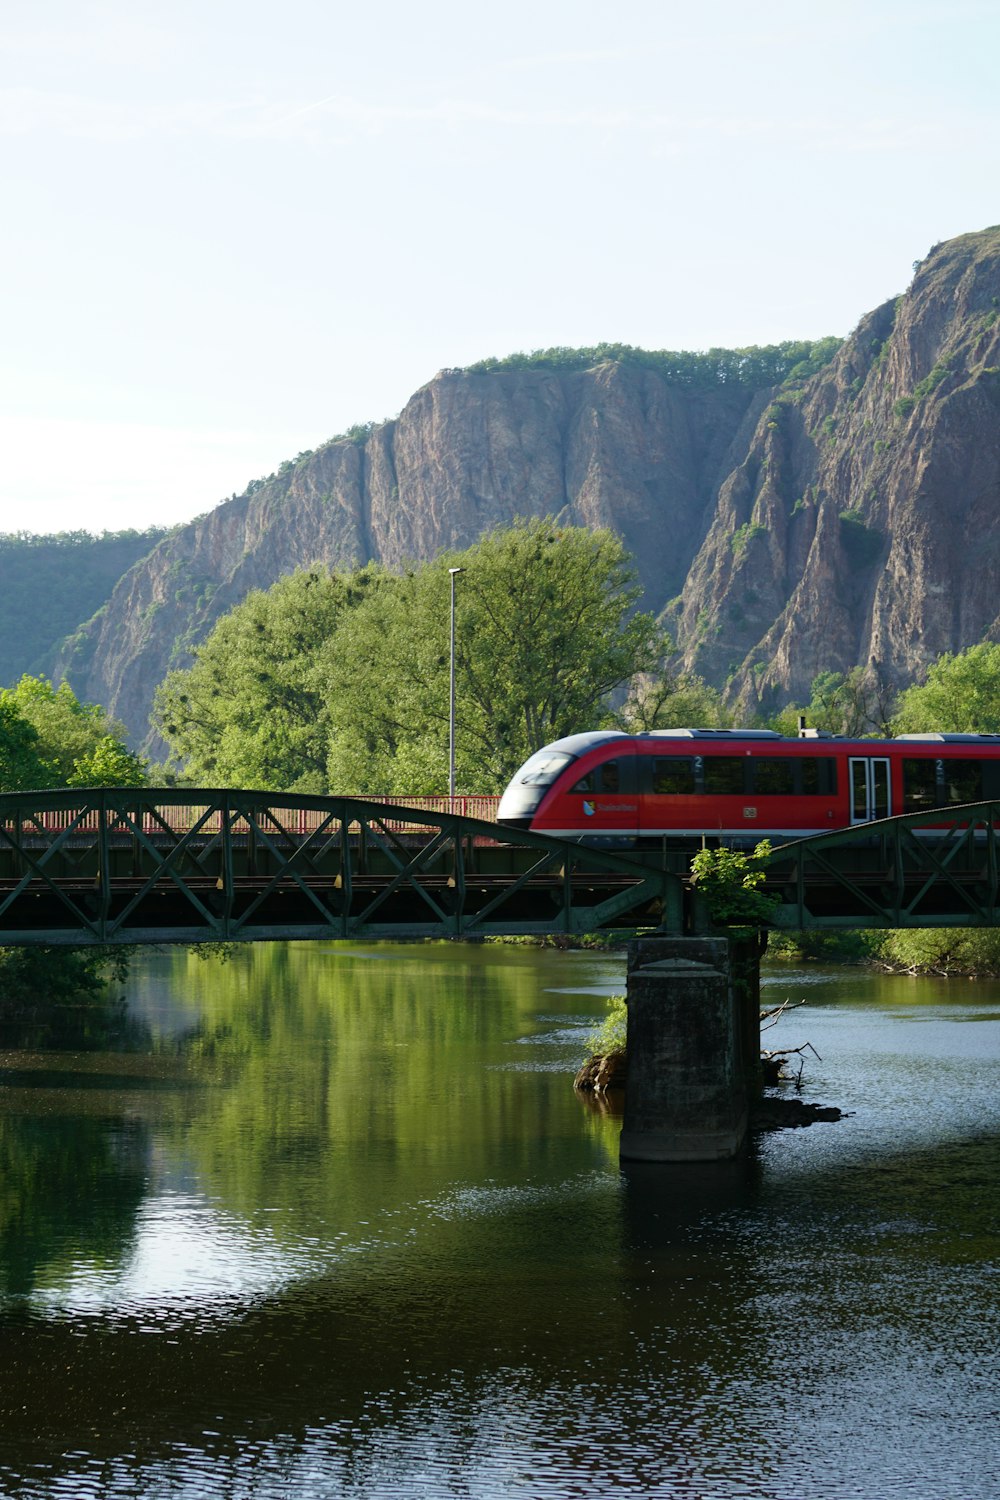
(938,868)
(154,865)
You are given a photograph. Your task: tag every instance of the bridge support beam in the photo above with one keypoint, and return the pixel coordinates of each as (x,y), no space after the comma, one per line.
(693,1055)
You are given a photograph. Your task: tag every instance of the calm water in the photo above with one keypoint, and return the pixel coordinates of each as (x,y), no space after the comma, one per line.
(330,1221)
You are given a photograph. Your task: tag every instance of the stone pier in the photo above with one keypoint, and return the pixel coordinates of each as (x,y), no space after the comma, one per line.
(693,1048)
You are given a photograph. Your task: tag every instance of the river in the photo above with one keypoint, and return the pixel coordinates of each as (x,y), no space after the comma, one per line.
(329,1220)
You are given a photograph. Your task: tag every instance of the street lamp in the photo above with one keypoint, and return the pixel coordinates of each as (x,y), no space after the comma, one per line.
(453,572)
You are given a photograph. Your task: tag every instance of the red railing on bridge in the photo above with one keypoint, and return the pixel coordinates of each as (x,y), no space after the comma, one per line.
(295,820)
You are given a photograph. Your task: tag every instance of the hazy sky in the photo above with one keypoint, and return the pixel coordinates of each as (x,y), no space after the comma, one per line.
(234,229)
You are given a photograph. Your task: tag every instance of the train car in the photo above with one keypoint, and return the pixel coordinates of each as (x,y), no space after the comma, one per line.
(678,787)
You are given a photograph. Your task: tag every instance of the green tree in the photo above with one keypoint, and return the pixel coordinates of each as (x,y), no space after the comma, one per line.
(68,731)
(940,950)
(682,702)
(730,882)
(110,763)
(961,695)
(544,633)
(21,765)
(857,704)
(251,710)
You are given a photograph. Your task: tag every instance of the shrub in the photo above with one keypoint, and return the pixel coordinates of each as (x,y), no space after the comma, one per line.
(610,1035)
(731,886)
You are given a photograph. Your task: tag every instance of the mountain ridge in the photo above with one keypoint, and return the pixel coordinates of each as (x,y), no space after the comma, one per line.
(848,515)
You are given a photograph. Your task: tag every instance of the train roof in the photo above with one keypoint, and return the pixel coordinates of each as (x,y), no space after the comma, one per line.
(953,739)
(579,744)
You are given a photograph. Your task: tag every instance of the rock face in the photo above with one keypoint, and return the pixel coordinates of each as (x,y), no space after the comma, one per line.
(848,518)
(862,525)
(610,446)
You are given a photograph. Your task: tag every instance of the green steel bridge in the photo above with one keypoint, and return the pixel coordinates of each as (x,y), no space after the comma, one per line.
(183,866)
(168,865)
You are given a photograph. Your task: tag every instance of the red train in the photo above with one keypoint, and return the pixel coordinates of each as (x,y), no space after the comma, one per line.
(737,786)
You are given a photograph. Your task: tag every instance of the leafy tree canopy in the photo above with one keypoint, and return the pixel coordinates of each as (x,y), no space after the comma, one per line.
(681,702)
(544,633)
(109,763)
(342,680)
(251,711)
(49,738)
(857,704)
(960,696)
(21,766)
(754,367)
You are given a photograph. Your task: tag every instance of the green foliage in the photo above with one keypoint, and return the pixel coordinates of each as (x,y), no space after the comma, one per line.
(830,947)
(940,950)
(731,885)
(931,381)
(69,733)
(109,763)
(903,405)
(252,709)
(342,679)
(744,535)
(682,702)
(753,367)
(73,573)
(855,703)
(21,765)
(544,633)
(609,1038)
(961,695)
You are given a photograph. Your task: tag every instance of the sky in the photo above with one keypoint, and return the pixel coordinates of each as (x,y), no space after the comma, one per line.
(233,230)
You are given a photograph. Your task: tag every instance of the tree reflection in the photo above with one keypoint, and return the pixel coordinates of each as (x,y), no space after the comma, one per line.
(69,1191)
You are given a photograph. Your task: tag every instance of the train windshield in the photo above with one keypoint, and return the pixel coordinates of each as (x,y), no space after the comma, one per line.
(543,768)
(528,786)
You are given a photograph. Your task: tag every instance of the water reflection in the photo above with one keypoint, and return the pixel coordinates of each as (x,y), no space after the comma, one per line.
(345,1230)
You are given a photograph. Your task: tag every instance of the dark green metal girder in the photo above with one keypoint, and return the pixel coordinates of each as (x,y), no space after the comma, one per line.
(931,869)
(111,866)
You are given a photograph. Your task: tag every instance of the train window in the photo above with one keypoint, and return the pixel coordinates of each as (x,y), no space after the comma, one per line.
(673,775)
(819,776)
(723,775)
(603,778)
(920,788)
(963,781)
(773,777)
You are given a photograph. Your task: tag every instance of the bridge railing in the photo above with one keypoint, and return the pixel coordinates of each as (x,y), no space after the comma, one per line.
(180,817)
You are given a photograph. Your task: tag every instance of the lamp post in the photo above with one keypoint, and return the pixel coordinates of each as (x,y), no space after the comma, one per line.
(453,572)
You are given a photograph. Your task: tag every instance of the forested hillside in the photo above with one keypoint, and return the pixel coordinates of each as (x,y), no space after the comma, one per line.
(50,584)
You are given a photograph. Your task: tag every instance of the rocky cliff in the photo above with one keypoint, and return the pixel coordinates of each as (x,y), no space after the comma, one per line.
(850,516)
(613,445)
(862,525)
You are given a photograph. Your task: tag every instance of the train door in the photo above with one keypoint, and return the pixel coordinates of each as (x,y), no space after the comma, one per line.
(871,796)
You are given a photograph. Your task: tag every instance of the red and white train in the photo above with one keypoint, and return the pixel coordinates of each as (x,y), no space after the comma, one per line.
(740,785)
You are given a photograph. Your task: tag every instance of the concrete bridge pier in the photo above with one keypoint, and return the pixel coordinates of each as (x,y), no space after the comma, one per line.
(693,1047)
